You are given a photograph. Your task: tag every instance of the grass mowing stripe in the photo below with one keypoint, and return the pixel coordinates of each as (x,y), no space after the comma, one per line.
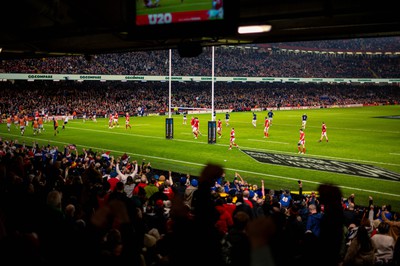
(266,141)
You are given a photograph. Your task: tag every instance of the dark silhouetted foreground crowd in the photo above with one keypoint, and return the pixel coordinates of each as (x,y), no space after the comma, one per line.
(61,206)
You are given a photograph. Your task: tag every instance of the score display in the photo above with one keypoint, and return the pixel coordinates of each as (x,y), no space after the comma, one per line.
(161,12)
(160,19)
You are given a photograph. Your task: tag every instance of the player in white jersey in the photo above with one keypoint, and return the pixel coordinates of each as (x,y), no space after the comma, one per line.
(184,118)
(254,121)
(65,121)
(304,118)
(94,117)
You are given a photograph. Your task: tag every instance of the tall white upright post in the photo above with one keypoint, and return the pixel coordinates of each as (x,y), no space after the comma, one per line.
(212,86)
(170,80)
(169,122)
(212,128)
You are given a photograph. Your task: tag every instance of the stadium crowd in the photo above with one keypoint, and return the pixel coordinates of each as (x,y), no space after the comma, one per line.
(59,205)
(358,45)
(318,59)
(89,97)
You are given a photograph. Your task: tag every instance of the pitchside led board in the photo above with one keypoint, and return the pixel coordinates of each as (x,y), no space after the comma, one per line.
(155,19)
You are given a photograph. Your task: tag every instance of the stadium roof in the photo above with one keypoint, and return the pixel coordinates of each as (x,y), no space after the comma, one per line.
(41,28)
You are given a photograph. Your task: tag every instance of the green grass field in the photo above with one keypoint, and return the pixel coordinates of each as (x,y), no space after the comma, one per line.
(355,135)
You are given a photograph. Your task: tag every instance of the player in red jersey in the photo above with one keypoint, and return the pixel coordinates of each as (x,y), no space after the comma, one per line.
(195,127)
(323,133)
(40,122)
(266,127)
(9,120)
(22,125)
(198,126)
(35,126)
(219,128)
(127,121)
(16,121)
(301,145)
(116,122)
(232,140)
(192,121)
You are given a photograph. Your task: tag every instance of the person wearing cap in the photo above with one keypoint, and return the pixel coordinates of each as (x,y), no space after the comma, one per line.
(113,180)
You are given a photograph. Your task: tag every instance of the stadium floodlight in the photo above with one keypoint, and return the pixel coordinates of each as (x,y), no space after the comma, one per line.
(254,29)
(1,49)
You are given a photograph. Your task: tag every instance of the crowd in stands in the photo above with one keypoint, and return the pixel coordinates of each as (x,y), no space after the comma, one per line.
(67,97)
(385,44)
(61,206)
(271,60)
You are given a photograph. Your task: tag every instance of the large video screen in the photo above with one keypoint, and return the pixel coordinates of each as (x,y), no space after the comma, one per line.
(164,12)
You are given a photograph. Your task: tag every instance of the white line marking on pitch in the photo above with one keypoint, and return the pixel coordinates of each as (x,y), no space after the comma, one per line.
(345,128)
(266,141)
(394,153)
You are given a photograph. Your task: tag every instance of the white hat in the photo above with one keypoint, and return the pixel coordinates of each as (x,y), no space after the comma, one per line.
(167,203)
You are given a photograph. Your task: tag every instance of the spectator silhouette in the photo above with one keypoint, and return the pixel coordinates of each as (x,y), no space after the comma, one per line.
(202,239)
